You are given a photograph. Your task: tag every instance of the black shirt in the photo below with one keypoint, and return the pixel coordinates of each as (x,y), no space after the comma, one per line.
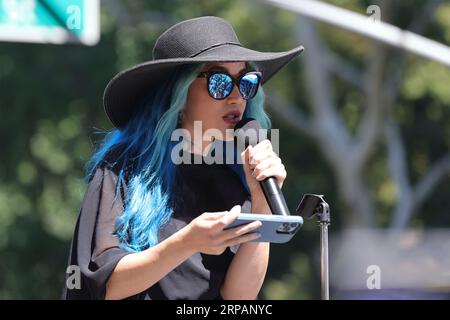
(95,248)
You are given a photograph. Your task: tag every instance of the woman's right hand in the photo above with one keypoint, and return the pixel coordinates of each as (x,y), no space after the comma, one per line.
(205,233)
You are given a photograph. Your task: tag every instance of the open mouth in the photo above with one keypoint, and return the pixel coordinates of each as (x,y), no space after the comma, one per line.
(232,117)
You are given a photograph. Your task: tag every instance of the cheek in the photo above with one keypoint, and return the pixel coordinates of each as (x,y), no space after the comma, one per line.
(201,107)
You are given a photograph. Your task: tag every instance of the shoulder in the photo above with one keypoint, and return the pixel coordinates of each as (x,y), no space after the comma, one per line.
(116,163)
(111,167)
(103,191)
(102,178)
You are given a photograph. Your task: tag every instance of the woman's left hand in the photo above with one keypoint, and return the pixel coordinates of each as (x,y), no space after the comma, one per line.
(261,162)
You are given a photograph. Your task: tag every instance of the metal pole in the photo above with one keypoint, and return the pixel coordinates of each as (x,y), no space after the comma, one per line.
(314,205)
(325,287)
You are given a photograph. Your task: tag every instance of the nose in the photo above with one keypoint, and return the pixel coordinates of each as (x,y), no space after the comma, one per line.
(235,96)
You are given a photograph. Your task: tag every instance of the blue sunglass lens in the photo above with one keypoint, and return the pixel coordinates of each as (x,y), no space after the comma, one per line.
(249,85)
(220,85)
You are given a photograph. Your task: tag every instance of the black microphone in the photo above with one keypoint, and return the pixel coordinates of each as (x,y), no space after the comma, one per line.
(247,133)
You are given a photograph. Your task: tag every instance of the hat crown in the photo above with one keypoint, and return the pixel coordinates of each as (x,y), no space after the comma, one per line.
(191,37)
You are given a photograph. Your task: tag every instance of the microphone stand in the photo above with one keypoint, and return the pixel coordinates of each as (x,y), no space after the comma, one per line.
(314,205)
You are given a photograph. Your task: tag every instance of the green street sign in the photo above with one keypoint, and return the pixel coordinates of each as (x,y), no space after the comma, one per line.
(50,21)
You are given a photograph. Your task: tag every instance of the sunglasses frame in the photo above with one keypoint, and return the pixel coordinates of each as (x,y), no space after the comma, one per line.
(237,82)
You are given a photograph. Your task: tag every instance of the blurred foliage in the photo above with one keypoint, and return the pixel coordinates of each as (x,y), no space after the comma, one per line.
(51,108)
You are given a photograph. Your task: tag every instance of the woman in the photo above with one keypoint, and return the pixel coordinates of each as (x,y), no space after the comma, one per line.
(150,228)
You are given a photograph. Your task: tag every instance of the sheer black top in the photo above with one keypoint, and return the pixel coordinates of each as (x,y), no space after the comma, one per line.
(95,248)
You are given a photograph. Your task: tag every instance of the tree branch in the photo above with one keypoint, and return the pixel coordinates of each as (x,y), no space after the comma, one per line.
(332,134)
(343,68)
(410,198)
(418,25)
(290,114)
(434,176)
(331,131)
(399,173)
(371,126)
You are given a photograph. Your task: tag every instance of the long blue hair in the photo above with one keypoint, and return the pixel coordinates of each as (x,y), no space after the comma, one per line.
(141,154)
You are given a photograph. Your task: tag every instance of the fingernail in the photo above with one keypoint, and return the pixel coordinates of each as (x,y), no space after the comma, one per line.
(236,208)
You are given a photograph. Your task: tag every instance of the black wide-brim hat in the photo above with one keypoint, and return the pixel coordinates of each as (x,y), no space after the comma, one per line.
(198,40)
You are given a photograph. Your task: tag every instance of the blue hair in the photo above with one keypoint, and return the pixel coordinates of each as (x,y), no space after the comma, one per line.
(255,106)
(140,154)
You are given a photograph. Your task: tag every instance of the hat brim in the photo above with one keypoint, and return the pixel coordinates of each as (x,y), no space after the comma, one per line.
(130,85)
